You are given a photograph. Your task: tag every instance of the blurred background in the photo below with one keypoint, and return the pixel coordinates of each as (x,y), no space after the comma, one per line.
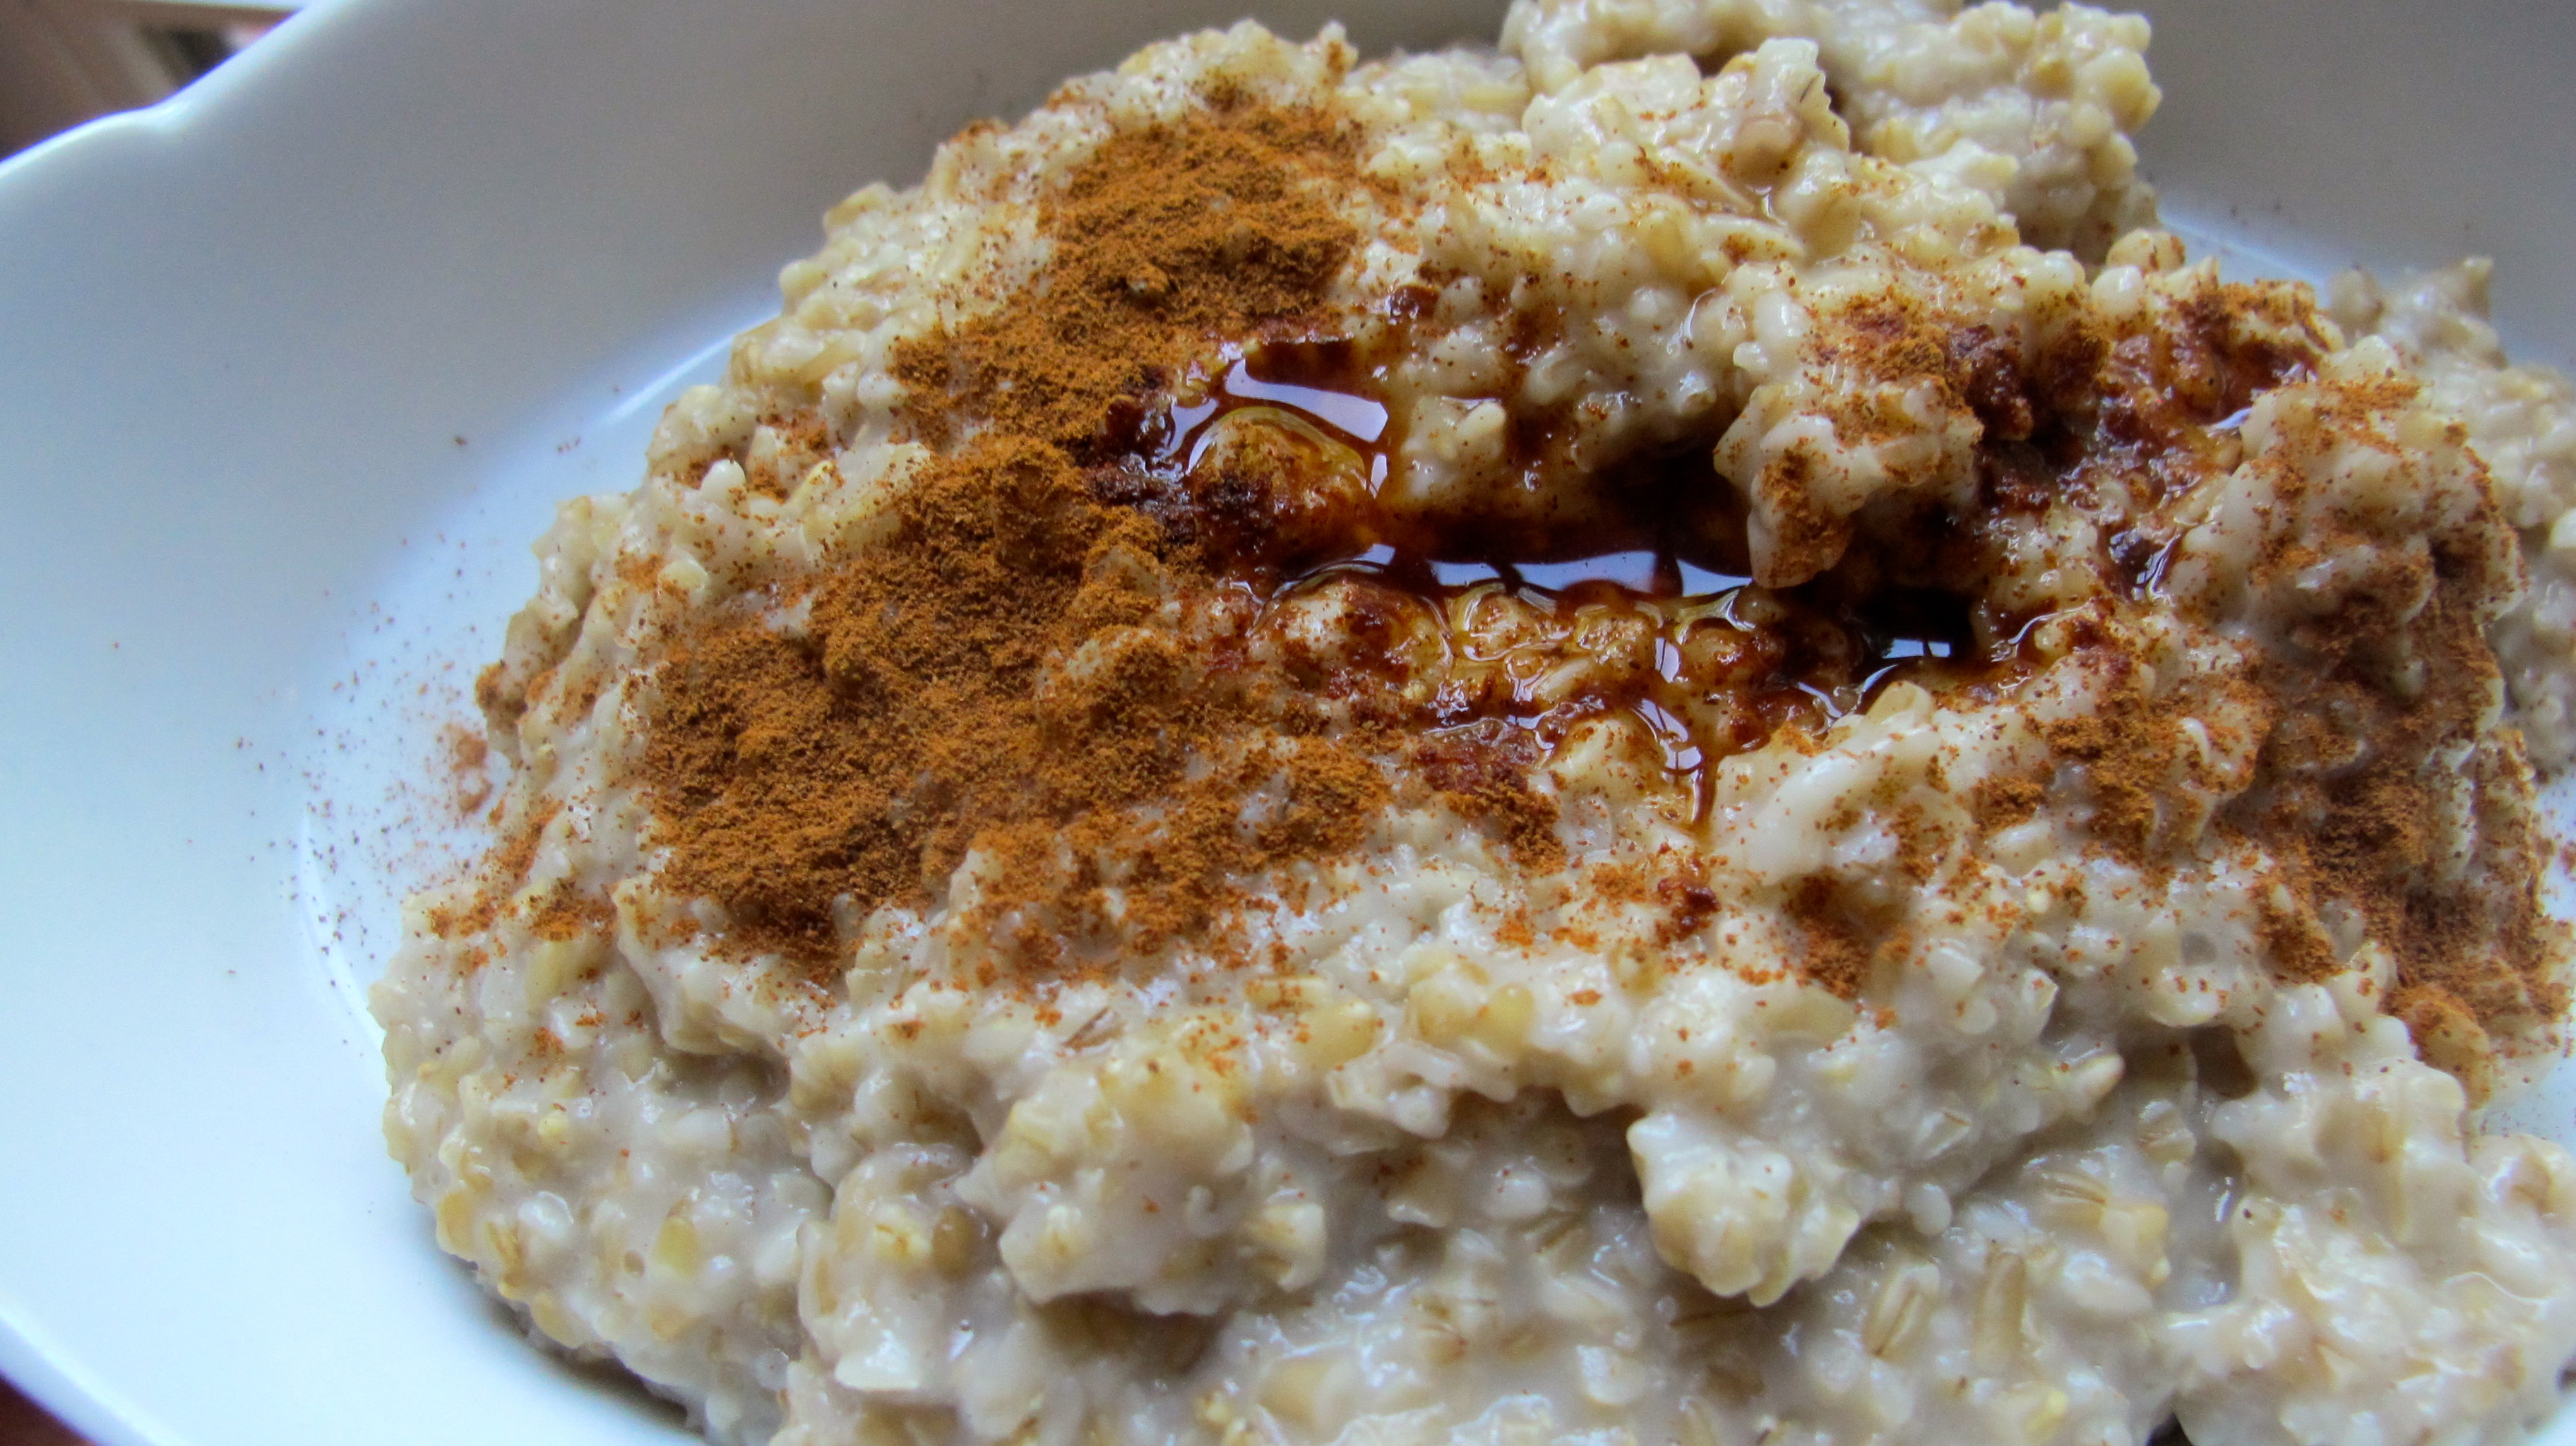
(22,1424)
(64,61)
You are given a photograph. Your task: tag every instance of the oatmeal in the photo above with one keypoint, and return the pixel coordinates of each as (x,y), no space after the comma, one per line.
(1661,736)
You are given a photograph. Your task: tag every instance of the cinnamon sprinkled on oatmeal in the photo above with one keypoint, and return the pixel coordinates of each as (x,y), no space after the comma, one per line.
(467,760)
(1220,227)
(985,675)
(1659,736)
(488,889)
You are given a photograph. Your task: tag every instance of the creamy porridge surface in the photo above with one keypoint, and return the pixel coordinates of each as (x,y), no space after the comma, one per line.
(1658,736)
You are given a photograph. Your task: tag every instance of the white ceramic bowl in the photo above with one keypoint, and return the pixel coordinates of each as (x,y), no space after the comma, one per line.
(294,367)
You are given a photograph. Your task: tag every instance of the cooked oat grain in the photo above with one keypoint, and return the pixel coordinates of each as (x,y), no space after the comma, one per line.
(1660,737)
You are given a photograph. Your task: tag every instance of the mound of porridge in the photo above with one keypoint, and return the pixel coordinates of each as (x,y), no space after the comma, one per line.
(1658,736)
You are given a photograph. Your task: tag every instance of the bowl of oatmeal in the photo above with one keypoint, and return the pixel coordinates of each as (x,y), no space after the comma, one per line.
(1663,727)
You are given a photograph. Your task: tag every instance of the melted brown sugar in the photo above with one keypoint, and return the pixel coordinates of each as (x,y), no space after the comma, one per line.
(1664,561)
(1146,590)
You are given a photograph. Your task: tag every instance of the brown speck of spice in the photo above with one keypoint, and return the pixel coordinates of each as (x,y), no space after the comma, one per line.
(466,758)
(2000,803)
(1835,943)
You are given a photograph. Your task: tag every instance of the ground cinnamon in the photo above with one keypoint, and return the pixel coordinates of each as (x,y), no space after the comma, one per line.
(1223,227)
(2354,826)
(1004,675)
(982,678)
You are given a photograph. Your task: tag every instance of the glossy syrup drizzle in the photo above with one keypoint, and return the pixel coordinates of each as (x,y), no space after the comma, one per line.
(1817,651)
